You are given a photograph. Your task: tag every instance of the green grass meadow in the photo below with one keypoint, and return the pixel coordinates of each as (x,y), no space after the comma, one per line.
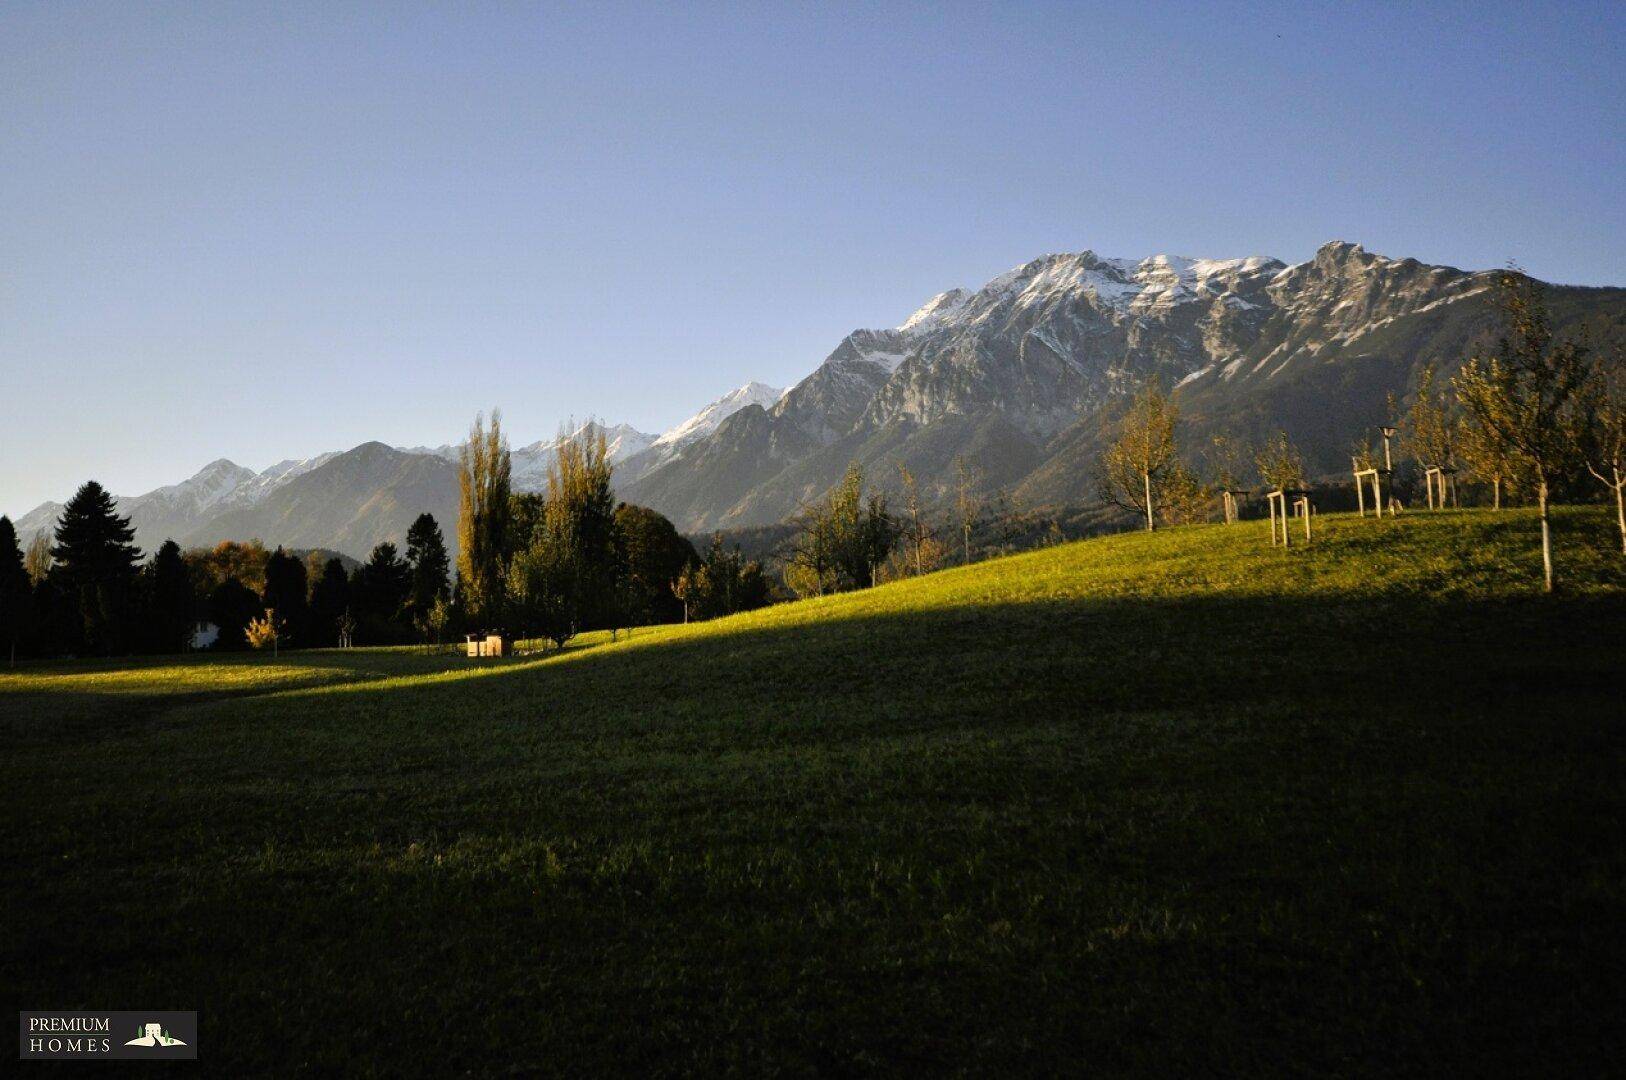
(1164,804)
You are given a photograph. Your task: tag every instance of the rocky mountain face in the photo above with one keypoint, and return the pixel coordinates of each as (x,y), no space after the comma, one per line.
(353,501)
(1019,377)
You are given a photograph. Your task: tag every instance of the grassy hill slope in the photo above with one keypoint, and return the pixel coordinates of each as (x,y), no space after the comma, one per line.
(1171,803)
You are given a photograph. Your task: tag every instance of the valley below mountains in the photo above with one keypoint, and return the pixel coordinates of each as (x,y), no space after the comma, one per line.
(1019,379)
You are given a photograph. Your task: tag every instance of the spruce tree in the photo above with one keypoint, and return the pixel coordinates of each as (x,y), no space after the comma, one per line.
(15,590)
(426,554)
(381,586)
(285,594)
(95,555)
(170,589)
(330,599)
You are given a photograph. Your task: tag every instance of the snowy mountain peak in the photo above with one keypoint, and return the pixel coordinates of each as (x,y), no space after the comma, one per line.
(707,420)
(936,311)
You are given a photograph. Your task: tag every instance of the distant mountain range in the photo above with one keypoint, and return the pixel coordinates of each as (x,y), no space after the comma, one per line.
(353,499)
(1017,378)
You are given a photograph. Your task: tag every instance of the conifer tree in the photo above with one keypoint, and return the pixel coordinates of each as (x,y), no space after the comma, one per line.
(426,554)
(329,600)
(1528,395)
(16,591)
(170,589)
(381,586)
(285,593)
(97,560)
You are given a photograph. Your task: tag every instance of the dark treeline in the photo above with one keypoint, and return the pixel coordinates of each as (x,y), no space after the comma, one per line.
(87,590)
(546,565)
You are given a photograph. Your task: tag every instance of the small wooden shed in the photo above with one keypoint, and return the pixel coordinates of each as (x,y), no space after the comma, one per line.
(489,643)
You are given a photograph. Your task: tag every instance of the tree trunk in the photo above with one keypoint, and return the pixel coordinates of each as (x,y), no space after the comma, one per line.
(1620,513)
(1496,493)
(1151,524)
(1546,537)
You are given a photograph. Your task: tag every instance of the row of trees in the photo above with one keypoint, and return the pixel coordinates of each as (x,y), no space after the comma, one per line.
(570,558)
(858,535)
(87,590)
(1537,415)
(546,564)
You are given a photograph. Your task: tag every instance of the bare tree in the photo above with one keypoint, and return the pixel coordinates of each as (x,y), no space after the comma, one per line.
(37,559)
(919,537)
(967,502)
(1229,462)
(1528,394)
(1605,435)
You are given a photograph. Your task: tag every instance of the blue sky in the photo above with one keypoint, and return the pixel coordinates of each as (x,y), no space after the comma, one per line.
(262,232)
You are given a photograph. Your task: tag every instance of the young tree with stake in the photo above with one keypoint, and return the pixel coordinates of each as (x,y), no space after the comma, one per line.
(1605,435)
(1144,458)
(1528,395)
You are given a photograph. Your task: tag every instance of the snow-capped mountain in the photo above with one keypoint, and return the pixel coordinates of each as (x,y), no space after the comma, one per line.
(531,463)
(175,510)
(707,420)
(1015,377)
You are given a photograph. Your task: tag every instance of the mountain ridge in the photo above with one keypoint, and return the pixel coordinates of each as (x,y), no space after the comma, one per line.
(1017,377)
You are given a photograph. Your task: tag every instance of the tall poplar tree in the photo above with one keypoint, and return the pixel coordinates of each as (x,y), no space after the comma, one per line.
(483,484)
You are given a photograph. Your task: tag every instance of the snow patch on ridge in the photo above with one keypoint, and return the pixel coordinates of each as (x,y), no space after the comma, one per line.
(710,418)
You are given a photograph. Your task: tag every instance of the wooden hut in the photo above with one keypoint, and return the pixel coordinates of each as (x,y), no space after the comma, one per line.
(489,643)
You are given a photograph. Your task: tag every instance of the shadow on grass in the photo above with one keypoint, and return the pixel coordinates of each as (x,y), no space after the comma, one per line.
(1204,835)
(971,665)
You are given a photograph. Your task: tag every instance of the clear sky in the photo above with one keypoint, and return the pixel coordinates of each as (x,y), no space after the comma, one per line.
(262,232)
